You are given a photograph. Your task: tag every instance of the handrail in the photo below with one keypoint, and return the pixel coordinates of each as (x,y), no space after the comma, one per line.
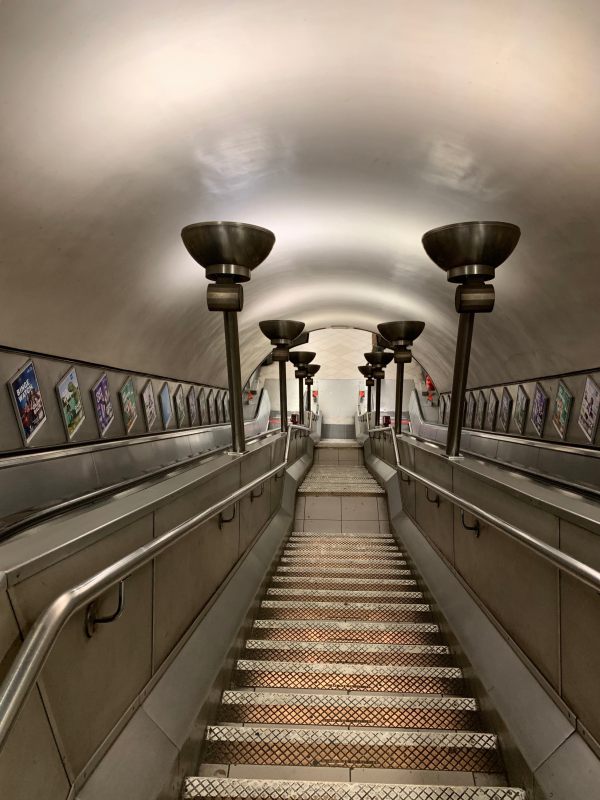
(576,569)
(38,644)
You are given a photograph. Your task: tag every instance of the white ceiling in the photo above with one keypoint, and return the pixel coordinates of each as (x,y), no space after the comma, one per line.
(348,128)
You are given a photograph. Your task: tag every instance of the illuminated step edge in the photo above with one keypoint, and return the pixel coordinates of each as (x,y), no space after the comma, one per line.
(336,625)
(323,534)
(297,667)
(252,789)
(357,546)
(325,605)
(367,594)
(346,647)
(347,582)
(349,701)
(342,555)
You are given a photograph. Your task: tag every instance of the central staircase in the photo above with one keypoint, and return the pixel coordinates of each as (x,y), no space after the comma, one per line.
(346,688)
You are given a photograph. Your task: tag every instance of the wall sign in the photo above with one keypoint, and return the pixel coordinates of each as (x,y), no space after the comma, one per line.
(103,404)
(480,410)
(166,409)
(26,395)
(469,410)
(562,409)
(538,409)
(128,404)
(590,409)
(179,406)
(149,403)
(192,405)
(521,407)
(492,411)
(505,409)
(70,402)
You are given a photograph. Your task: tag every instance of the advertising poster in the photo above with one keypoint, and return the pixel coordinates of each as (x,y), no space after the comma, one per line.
(192,405)
(521,408)
(590,409)
(27,399)
(442,408)
(210,408)
(128,404)
(149,403)
(492,411)
(469,410)
(480,410)
(103,404)
(180,406)
(505,409)
(538,409)
(226,404)
(447,408)
(562,409)
(71,402)
(203,408)
(166,409)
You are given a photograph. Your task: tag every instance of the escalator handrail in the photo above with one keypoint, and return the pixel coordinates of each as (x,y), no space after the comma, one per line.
(40,640)
(571,566)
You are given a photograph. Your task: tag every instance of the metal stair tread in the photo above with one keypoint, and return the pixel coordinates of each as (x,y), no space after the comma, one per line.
(366,593)
(383,701)
(365,670)
(256,789)
(341,606)
(344,647)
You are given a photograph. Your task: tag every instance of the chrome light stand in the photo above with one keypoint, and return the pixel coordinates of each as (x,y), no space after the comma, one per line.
(469,252)
(282,333)
(400,336)
(379,361)
(301,359)
(367,373)
(311,370)
(229,251)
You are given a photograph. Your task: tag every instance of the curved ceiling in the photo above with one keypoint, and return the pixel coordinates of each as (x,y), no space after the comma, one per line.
(347,128)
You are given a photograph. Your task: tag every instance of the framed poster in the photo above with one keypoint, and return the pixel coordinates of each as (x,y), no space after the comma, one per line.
(590,409)
(203,408)
(210,408)
(166,409)
(179,406)
(492,411)
(192,405)
(539,408)
(505,409)
(562,409)
(70,402)
(469,410)
(128,404)
(441,408)
(480,410)
(149,403)
(103,404)
(226,406)
(521,407)
(26,395)
(447,408)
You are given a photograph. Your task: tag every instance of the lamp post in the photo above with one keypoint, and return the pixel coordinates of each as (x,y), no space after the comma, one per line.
(469,253)
(401,336)
(229,251)
(300,359)
(367,373)
(282,333)
(311,370)
(379,361)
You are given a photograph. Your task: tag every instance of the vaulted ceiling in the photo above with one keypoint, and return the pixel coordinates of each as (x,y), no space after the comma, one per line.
(348,128)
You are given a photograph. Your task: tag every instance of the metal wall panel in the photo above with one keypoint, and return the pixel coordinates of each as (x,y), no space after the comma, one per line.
(86,684)
(580,623)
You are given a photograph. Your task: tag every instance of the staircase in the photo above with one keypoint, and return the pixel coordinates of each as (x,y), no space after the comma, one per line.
(346,688)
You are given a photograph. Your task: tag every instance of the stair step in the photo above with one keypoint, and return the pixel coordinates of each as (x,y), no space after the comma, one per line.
(351,677)
(371,612)
(330,631)
(349,653)
(431,750)
(323,534)
(253,789)
(367,570)
(357,560)
(340,545)
(357,710)
(341,584)
(359,595)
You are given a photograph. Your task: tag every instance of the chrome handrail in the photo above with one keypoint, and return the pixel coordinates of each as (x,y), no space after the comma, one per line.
(38,644)
(576,569)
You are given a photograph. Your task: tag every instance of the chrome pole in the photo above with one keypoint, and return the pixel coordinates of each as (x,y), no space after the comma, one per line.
(369,386)
(459,382)
(377,400)
(301,401)
(399,392)
(234,378)
(283,395)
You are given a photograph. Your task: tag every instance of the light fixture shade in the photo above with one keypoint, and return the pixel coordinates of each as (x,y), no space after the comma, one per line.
(401,334)
(366,371)
(379,358)
(228,251)
(471,249)
(312,369)
(301,357)
(281,331)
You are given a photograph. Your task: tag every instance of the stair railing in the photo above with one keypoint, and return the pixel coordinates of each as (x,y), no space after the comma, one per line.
(571,566)
(40,640)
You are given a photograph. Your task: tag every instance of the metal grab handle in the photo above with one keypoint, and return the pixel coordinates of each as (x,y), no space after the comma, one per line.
(91,620)
(435,500)
(224,521)
(254,497)
(474,528)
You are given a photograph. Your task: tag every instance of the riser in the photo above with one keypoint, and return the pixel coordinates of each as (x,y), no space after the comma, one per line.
(340,584)
(389,659)
(357,596)
(361,682)
(393,614)
(327,572)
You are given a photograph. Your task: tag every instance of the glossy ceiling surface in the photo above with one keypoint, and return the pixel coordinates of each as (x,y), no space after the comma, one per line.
(347,128)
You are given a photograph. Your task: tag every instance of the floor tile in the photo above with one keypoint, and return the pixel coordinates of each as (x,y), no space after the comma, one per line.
(323,508)
(359,508)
